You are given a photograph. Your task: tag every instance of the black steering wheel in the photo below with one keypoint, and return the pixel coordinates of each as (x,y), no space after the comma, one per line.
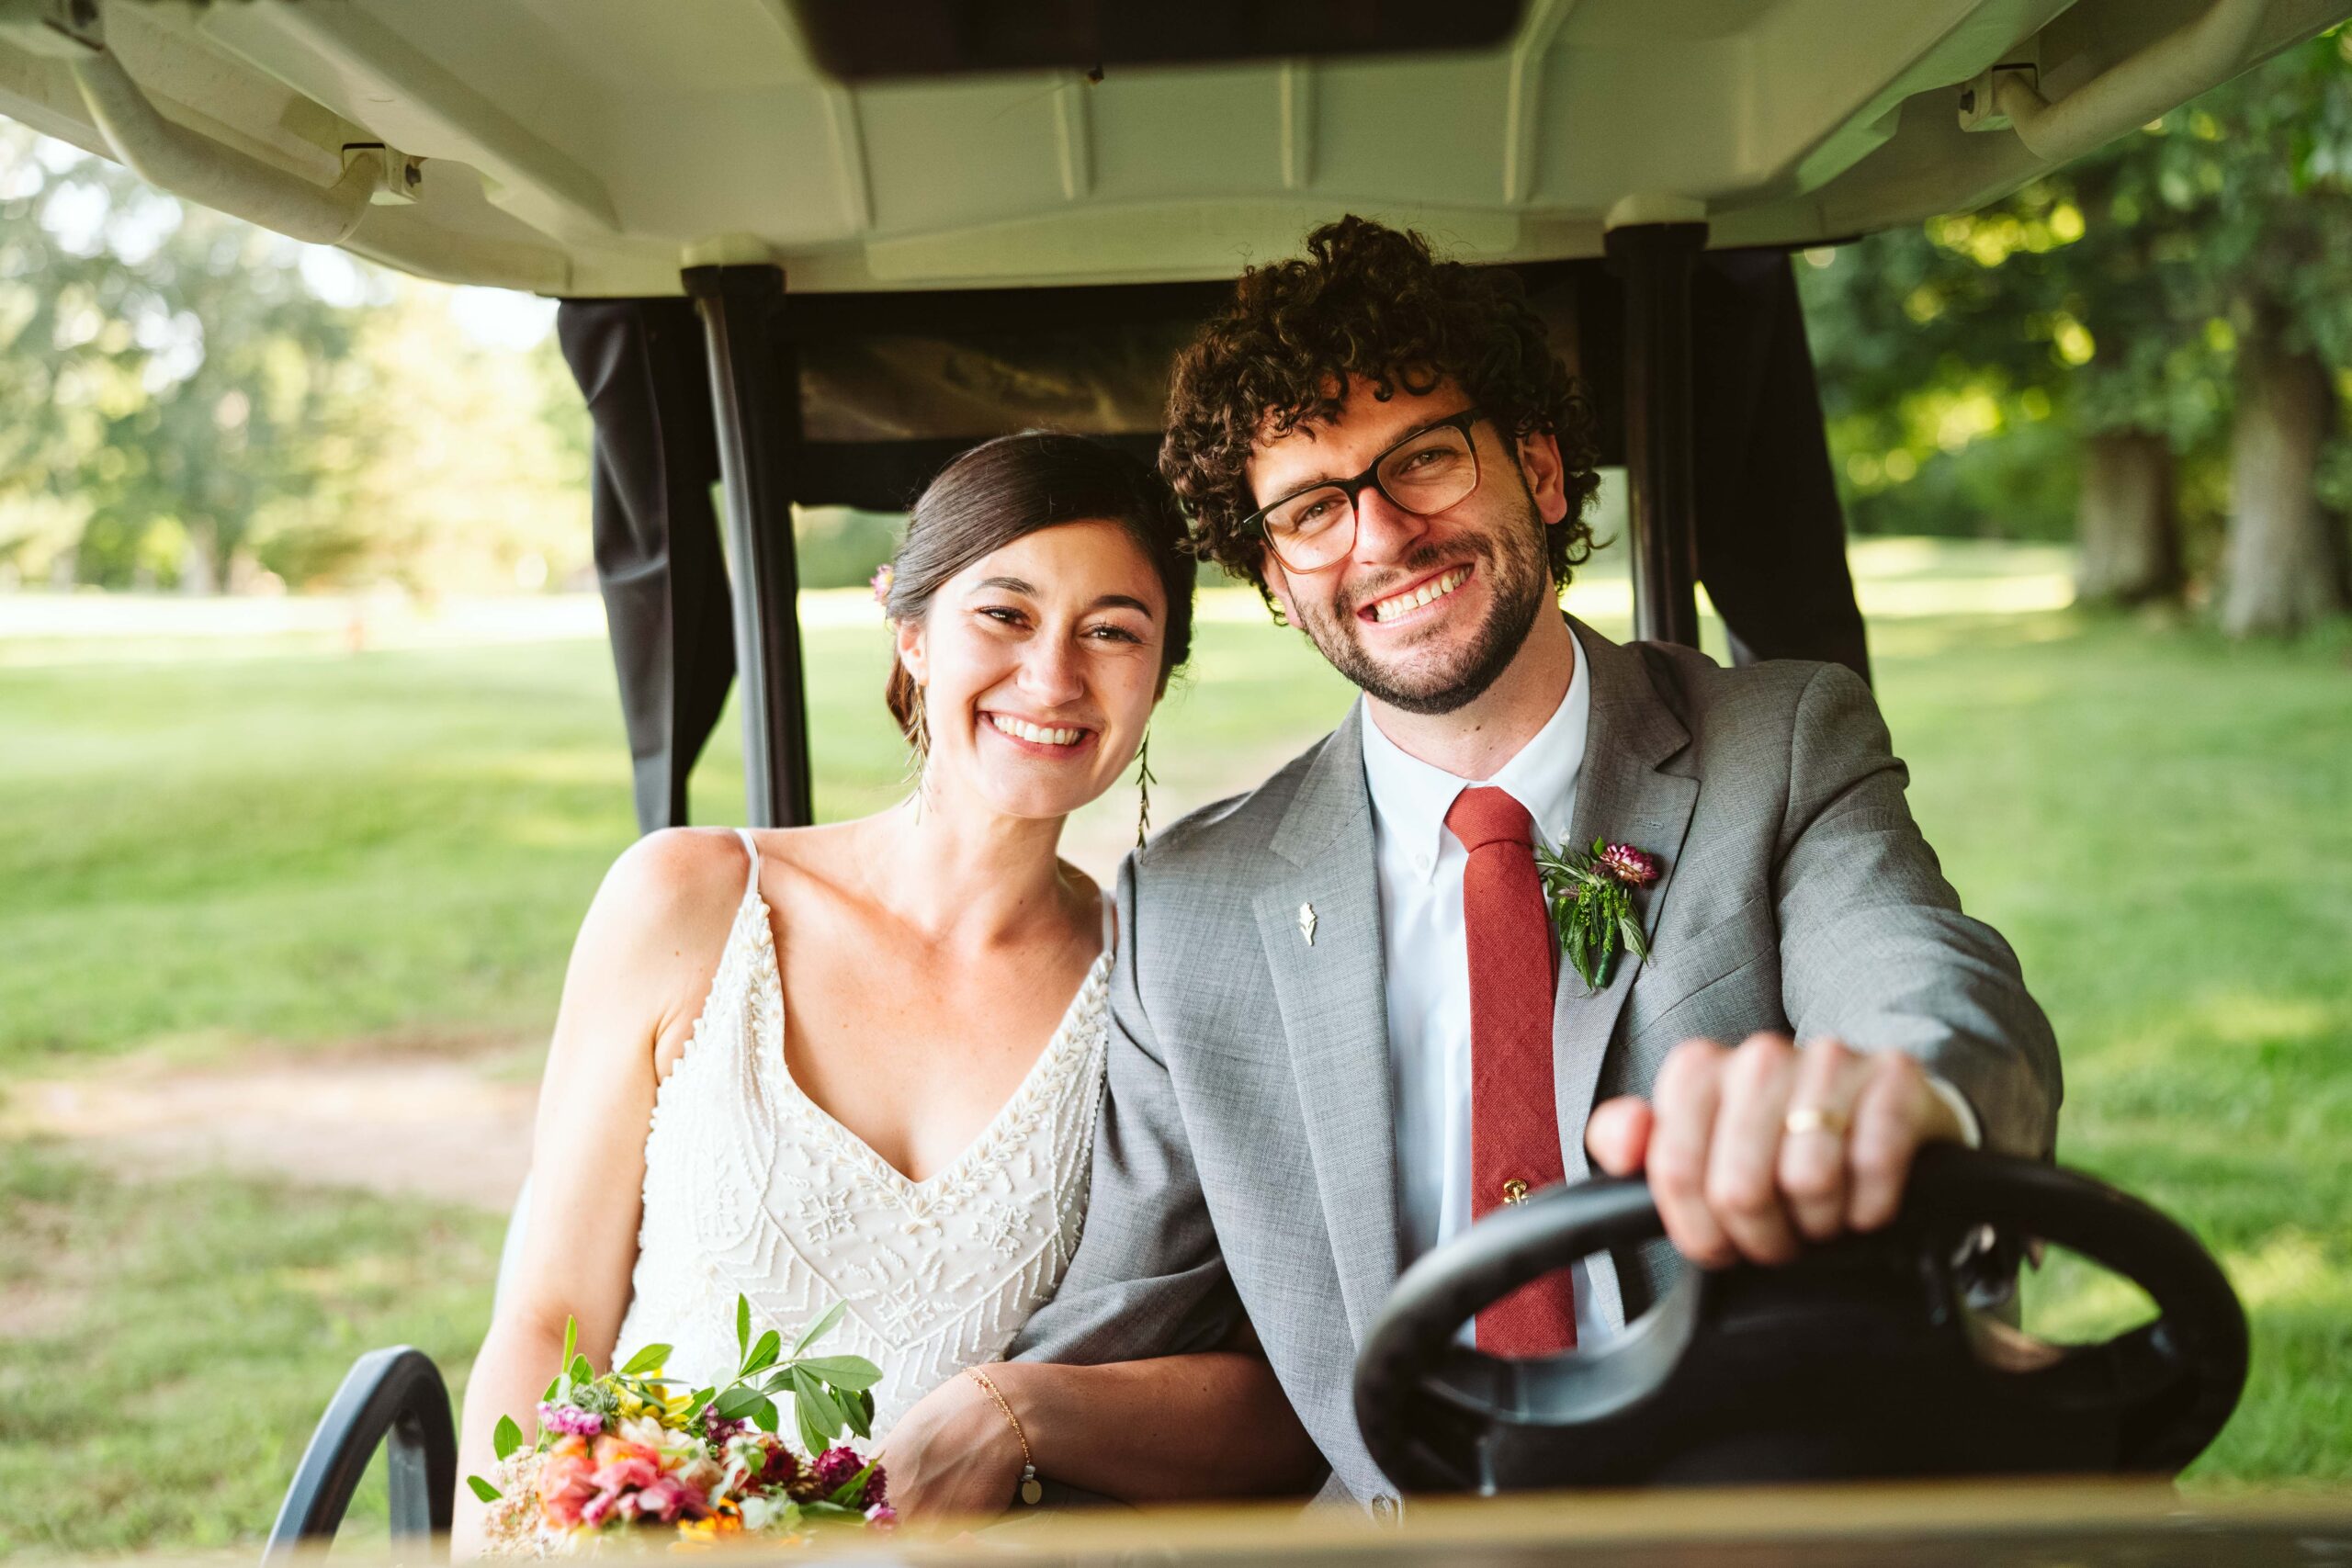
(1863,1359)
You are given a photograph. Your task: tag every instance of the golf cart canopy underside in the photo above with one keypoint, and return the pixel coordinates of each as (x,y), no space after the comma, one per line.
(596,147)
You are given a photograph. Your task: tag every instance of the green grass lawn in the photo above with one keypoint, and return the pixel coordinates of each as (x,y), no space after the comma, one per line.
(205,852)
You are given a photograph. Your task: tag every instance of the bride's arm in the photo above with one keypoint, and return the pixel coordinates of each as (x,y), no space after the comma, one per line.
(1210,1425)
(644,950)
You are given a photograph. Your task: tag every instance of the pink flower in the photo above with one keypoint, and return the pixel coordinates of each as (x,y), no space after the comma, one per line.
(666,1499)
(629,1472)
(570,1420)
(567,1482)
(877,1488)
(1629,865)
(882,1517)
(880,583)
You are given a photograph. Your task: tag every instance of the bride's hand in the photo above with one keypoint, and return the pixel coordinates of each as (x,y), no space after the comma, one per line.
(954,1455)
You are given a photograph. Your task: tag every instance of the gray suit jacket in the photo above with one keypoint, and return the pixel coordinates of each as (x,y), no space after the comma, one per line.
(1246,1140)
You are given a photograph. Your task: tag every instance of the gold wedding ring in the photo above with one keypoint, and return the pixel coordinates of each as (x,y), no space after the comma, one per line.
(1815,1119)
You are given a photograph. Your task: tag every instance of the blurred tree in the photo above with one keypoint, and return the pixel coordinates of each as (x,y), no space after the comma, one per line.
(169,374)
(2171,291)
(2265,170)
(2174,292)
(2057,306)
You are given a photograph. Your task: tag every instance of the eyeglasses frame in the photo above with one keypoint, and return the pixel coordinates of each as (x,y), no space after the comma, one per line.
(1369,480)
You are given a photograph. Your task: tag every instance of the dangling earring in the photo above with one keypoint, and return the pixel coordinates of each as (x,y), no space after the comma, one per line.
(1144,781)
(918,749)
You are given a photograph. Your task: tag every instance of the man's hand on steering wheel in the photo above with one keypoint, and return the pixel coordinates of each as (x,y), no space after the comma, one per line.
(1752,1151)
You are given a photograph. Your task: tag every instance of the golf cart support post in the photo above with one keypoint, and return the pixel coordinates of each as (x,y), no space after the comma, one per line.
(1695,363)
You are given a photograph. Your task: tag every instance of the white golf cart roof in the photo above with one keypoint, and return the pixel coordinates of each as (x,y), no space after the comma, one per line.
(593,147)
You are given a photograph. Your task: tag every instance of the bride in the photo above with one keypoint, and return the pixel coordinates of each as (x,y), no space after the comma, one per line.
(861,1062)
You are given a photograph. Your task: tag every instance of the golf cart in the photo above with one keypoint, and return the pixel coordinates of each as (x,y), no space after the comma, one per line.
(809,250)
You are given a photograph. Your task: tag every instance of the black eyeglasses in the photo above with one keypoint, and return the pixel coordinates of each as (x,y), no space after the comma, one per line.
(1434,468)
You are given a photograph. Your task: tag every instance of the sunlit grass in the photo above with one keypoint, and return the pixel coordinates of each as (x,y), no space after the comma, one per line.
(200,855)
(172,1344)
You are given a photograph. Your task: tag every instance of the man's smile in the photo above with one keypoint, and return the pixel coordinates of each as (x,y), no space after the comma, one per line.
(1404,601)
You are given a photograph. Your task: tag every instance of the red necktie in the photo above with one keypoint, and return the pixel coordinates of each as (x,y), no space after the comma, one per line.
(1514,1127)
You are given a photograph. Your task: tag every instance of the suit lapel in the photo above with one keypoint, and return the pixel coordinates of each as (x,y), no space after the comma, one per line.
(1332,993)
(1621,796)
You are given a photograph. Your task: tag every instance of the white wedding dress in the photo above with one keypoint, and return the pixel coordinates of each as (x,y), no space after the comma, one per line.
(750,1187)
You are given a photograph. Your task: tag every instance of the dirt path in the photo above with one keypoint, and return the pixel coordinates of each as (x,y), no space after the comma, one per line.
(430,1127)
(450,1122)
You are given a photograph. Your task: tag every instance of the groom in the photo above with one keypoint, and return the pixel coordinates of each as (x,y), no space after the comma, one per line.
(1337,1041)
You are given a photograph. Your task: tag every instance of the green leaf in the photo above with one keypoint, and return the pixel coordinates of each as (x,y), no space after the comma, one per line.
(812,1436)
(738,1402)
(764,1417)
(857,1412)
(815,1404)
(763,1353)
(582,1372)
(646,1359)
(1634,944)
(822,1328)
(828,1509)
(694,1407)
(852,1372)
(505,1437)
(849,1492)
(554,1385)
(483,1489)
(743,1323)
(571,1341)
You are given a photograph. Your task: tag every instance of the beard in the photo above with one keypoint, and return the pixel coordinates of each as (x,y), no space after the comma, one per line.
(1512,561)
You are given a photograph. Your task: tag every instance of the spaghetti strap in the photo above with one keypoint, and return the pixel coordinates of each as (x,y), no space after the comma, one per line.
(1110,926)
(751,848)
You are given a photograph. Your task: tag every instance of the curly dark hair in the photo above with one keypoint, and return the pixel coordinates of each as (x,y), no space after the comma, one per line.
(1373,302)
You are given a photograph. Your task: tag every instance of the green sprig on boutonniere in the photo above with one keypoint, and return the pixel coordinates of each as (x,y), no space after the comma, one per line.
(1591,899)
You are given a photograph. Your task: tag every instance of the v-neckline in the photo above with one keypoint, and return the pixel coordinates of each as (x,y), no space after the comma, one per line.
(769,972)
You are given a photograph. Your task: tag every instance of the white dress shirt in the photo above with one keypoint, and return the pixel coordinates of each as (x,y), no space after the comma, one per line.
(1426,952)
(1425,949)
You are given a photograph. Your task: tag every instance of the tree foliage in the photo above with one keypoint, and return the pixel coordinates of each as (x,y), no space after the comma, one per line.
(180,404)
(2131,292)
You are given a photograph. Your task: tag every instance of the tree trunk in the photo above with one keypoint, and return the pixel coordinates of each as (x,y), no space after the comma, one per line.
(2283,567)
(2130,533)
(201,576)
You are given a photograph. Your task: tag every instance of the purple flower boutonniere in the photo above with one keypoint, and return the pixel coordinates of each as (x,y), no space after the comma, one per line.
(1591,896)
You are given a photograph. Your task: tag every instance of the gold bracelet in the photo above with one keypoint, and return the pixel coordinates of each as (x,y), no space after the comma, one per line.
(1029,1488)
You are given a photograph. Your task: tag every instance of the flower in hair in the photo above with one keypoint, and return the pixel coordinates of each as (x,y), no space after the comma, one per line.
(880,583)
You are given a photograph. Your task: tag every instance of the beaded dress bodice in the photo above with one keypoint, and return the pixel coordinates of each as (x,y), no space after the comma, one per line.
(751,1186)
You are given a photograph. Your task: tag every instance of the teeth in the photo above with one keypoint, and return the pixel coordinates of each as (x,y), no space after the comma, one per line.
(1436,588)
(1035,734)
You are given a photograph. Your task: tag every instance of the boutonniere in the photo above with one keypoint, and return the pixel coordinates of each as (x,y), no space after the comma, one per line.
(1591,899)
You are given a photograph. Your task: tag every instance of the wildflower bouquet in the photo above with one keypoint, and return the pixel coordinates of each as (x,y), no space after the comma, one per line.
(619,1450)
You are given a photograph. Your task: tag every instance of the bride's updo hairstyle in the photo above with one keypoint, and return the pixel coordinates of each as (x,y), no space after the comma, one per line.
(1006,489)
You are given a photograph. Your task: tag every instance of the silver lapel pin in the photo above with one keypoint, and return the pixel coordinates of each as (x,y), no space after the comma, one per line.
(1307,923)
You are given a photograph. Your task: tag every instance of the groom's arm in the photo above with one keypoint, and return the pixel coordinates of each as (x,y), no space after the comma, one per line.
(1875,949)
(1900,999)
(1148,1279)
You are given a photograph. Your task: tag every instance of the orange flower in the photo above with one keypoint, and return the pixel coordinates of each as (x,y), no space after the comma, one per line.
(696,1534)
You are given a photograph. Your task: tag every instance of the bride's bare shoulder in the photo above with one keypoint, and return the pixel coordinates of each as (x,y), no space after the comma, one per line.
(676,888)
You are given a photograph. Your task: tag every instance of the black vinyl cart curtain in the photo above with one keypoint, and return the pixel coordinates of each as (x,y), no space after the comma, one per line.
(876,371)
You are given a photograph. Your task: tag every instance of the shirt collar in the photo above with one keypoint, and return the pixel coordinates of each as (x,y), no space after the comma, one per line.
(1411,797)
